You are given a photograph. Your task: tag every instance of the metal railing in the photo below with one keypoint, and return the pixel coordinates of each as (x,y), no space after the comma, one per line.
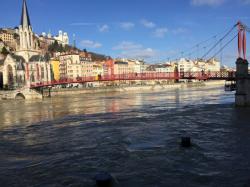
(221,75)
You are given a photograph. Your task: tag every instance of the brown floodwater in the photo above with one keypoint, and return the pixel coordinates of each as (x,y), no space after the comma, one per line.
(135,136)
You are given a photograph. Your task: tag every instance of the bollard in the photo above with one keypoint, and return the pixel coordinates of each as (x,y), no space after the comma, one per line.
(186,142)
(103,179)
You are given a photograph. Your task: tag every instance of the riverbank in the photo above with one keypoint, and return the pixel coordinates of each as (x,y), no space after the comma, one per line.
(57,92)
(76,91)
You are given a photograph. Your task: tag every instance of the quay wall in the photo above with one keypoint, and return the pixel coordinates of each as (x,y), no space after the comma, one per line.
(75,91)
(30,94)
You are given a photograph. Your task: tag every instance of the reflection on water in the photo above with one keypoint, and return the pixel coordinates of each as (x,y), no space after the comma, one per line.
(64,141)
(28,112)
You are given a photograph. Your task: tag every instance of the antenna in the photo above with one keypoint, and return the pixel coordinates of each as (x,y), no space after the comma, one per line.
(74,40)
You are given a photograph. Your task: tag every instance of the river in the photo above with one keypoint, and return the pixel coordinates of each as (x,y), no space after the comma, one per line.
(65,141)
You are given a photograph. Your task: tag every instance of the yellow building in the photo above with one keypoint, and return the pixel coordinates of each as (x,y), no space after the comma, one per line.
(98,70)
(6,36)
(55,68)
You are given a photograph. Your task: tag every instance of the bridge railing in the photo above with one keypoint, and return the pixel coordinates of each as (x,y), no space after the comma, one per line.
(220,75)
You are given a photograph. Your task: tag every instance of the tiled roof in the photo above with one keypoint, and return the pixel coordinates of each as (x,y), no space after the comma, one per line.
(121,63)
(18,58)
(37,58)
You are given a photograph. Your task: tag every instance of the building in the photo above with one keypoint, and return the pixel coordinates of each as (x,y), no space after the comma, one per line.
(55,65)
(108,68)
(186,65)
(70,66)
(213,65)
(8,35)
(10,38)
(2,45)
(98,70)
(27,66)
(62,38)
(78,65)
(164,68)
(122,68)
(87,65)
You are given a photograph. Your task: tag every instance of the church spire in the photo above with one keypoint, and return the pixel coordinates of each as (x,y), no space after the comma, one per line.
(25,19)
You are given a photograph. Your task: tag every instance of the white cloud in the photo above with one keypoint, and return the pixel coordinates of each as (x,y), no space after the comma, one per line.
(90,44)
(83,24)
(127,25)
(126,45)
(133,50)
(245,1)
(207,2)
(160,32)
(147,24)
(104,28)
(144,53)
(179,31)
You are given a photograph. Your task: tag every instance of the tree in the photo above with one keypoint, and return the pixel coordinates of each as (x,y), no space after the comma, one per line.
(5,51)
(60,48)
(16,36)
(38,43)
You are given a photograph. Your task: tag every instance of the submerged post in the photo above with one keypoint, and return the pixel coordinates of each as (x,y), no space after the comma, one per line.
(242,96)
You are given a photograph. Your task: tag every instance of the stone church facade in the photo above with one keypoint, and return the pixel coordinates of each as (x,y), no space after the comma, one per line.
(27,66)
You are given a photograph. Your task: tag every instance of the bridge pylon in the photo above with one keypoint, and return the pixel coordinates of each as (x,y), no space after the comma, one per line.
(242,96)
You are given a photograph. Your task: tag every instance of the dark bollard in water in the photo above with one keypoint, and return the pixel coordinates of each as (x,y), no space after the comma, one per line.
(103,179)
(186,142)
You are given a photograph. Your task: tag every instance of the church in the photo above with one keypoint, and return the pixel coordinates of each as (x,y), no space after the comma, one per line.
(27,65)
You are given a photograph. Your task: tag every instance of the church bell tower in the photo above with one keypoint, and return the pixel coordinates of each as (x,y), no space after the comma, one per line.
(25,30)
(27,46)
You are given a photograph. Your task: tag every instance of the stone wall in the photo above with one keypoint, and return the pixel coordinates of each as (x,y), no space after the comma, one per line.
(242,96)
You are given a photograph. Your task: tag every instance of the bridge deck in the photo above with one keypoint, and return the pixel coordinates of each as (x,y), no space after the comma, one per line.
(143,76)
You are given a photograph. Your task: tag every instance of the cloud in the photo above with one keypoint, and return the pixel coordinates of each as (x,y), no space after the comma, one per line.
(147,24)
(127,25)
(160,32)
(179,31)
(245,1)
(90,44)
(144,53)
(207,2)
(104,28)
(126,45)
(83,24)
(133,50)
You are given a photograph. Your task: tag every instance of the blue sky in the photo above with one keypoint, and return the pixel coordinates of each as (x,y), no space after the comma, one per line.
(151,29)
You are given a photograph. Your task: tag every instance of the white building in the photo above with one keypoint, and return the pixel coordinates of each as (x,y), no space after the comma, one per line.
(211,65)
(185,65)
(62,38)
(165,68)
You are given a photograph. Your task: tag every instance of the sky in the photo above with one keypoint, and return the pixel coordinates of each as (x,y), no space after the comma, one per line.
(154,30)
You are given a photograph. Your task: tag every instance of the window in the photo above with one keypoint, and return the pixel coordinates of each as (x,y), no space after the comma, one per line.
(42,72)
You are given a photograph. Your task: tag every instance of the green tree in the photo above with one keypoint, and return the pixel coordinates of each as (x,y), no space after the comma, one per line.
(60,48)
(5,51)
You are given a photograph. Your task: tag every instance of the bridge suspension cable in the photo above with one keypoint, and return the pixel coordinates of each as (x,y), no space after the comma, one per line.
(194,49)
(224,46)
(220,40)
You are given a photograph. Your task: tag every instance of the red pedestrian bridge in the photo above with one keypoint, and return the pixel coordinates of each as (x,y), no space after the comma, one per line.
(221,75)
